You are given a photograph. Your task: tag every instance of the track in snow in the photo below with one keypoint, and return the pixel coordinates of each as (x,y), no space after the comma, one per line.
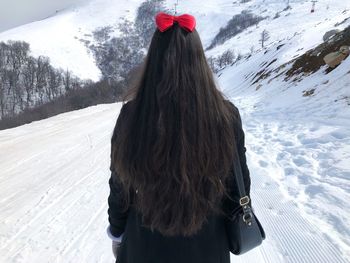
(54,188)
(291,236)
(300,186)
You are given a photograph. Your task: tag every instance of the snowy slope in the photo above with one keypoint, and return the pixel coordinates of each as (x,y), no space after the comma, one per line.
(54,175)
(302,144)
(297,23)
(54,187)
(18,12)
(59,36)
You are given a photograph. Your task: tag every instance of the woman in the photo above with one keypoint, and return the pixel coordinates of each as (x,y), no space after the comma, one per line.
(171,182)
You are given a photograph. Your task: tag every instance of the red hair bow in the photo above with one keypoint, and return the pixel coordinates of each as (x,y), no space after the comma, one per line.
(165,21)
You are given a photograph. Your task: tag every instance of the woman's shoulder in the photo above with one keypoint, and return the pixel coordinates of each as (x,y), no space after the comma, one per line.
(237,121)
(233,107)
(126,106)
(123,113)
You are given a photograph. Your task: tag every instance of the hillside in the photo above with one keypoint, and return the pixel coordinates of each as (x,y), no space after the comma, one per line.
(295,113)
(62,36)
(29,11)
(54,183)
(59,36)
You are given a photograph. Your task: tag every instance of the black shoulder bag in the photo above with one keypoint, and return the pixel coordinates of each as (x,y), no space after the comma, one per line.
(243,227)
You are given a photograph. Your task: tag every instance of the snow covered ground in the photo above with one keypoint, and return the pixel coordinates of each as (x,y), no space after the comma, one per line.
(59,36)
(54,173)
(54,187)
(54,184)
(300,142)
(306,29)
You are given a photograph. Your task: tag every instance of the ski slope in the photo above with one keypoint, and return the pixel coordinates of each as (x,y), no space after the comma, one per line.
(301,142)
(54,172)
(54,187)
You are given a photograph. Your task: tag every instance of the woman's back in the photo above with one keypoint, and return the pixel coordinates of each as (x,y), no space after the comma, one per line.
(140,244)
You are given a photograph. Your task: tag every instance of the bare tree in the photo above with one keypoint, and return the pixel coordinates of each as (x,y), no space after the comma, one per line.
(252,50)
(55,83)
(144,22)
(26,81)
(226,58)
(41,73)
(67,80)
(265,35)
(29,77)
(237,24)
(2,96)
(212,64)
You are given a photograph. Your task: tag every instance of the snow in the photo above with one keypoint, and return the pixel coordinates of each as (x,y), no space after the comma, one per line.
(17,12)
(299,144)
(54,173)
(59,36)
(54,187)
(297,23)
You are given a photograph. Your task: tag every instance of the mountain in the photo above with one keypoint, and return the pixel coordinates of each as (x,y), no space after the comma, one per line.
(60,35)
(29,11)
(295,113)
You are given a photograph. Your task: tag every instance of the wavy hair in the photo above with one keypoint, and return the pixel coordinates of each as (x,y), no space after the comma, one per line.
(173,149)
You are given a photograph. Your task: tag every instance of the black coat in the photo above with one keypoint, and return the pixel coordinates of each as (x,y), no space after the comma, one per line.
(141,245)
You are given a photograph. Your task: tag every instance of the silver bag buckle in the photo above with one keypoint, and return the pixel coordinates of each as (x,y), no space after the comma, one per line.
(244,200)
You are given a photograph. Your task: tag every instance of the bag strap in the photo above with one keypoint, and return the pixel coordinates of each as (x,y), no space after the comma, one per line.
(244,199)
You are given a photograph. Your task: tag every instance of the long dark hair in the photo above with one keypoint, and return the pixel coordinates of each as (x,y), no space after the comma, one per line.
(175,146)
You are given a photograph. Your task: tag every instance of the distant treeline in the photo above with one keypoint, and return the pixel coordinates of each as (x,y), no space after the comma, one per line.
(237,24)
(26,81)
(116,56)
(73,99)
(32,89)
